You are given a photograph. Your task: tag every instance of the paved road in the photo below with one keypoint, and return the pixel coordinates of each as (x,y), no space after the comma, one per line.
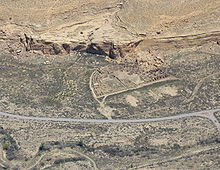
(205,113)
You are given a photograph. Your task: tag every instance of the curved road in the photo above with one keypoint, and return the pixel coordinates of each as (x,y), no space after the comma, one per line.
(205,113)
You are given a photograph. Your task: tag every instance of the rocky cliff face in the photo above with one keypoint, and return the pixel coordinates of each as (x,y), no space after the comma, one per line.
(130,29)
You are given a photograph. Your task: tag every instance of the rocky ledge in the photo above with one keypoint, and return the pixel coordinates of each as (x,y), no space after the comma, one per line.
(134,30)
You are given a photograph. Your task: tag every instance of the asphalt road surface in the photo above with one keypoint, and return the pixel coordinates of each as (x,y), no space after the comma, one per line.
(204,113)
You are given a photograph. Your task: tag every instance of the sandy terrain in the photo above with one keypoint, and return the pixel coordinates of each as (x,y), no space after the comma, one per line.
(109,84)
(118,21)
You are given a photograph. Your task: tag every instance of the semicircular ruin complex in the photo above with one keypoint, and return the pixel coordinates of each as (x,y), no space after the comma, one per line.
(110,84)
(115,79)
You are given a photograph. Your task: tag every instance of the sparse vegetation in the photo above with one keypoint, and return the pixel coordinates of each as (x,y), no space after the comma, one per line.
(158,64)
(9,145)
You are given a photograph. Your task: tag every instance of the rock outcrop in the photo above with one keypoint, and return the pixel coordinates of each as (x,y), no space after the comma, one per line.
(132,30)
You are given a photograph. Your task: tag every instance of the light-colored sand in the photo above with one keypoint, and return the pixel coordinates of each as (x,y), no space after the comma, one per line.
(132,100)
(118,21)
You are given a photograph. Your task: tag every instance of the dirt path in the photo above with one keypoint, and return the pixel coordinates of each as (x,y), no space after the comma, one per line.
(198,86)
(171,158)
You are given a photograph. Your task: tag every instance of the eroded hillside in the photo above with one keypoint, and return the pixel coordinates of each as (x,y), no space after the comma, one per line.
(120,84)
(113,25)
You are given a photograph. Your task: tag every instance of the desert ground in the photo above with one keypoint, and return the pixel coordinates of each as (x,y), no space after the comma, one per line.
(121,84)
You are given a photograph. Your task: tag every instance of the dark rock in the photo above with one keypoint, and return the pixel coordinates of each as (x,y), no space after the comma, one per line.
(66,47)
(78,48)
(95,49)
